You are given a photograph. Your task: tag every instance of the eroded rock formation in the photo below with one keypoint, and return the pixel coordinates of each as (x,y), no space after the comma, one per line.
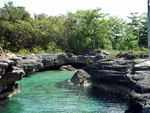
(9,74)
(139,81)
(130,78)
(32,62)
(12,68)
(110,74)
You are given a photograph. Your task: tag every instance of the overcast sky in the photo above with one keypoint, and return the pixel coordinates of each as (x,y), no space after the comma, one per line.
(120,8)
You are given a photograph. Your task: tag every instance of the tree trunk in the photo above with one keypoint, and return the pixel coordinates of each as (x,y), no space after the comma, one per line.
(149,29)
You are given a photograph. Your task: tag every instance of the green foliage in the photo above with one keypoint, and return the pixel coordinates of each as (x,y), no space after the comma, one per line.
(138,26)
(73,32)
(113,55)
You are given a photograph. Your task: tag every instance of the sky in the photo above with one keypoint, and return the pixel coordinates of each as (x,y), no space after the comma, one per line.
(120,8)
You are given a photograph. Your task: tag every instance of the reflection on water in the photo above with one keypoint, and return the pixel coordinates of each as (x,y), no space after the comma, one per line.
(50,92)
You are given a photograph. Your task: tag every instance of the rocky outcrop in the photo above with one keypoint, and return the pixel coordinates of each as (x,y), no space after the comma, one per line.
(131,55)
(129,78)
(12,68)
(67,68)
(139,81)
(32,62)
(9,74)
(106,74)
(80,78)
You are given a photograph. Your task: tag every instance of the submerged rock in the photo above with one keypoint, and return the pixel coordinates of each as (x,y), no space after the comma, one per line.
(80,78)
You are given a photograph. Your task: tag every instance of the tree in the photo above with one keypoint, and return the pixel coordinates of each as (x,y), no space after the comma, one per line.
(13,14)
(86,30)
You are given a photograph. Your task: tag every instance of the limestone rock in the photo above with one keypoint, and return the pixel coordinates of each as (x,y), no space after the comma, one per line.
(81,59)
(67,68)
(80,78)
(109,70)
(9,74)
(47,59)
(129,55)
(122,75)
(60,59)
(139,80)
(32,62)
(30,65)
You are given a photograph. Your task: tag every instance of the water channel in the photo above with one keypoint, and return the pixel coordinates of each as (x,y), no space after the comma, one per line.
(51,92)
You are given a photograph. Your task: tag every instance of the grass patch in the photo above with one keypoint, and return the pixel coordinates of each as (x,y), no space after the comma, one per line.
(112,55)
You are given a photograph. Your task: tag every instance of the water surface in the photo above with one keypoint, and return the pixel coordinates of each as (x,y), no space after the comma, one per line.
(49,92)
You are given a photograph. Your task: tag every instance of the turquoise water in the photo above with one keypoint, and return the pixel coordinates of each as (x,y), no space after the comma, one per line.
(50,92)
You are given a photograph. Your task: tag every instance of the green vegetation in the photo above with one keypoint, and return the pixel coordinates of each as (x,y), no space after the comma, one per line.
(72,32)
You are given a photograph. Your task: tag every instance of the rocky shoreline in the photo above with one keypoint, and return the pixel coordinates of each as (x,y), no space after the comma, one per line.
(13,68)
(9,74)
(128,77)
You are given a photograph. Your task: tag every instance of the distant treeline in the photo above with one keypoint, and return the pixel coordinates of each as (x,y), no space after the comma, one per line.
(72,32)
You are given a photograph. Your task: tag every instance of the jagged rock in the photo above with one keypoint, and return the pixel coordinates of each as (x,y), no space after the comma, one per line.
(109,75)
(109,70)
(70,55)
(47,59)
(80,59)
(8,91)
(128,55)
(60,59)
(9,74)
(4,63)
(139,80)
(100,55)
(67,68)
(124,76)
(30,65)
(80,78)
(139,103)
(32,62)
